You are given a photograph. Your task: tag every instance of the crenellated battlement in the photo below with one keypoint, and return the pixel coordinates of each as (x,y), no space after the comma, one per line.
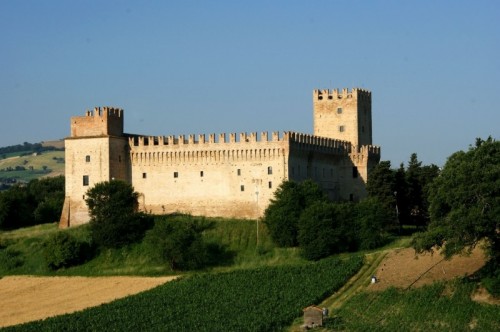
(335,94)
(370,150)
(223,138)
(105,121)
(105,112)
(312,141)
(243,139)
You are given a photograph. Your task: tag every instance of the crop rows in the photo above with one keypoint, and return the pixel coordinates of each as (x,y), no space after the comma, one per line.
(437,307)
(263,299)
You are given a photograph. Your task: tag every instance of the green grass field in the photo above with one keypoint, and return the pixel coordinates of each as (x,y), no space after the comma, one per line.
(47,163)
(263,288)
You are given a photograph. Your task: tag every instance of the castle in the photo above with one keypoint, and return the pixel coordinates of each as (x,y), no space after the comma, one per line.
(224,175)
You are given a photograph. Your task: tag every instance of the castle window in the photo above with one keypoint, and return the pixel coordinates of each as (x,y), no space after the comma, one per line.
(330,97)
(176,174)
(238,172)
(242,188)
(269,170)
(85,180)
(270,184)
(354,172)
(144,175)
(341,129)
(320,97)
(87,159)
(339,110)
(201,174)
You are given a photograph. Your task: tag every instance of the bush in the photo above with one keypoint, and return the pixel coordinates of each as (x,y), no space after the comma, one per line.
(10,258)
(118,231)
(180,242)
(63,250)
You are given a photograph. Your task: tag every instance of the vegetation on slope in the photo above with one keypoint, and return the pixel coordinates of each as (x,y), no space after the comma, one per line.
(437,307)
(262,299)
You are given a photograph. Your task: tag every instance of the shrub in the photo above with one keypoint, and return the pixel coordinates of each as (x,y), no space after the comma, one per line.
(10,258)
(180,242)
(63,250)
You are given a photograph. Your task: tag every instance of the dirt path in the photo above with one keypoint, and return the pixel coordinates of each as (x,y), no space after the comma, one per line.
(24,299)
(402,269)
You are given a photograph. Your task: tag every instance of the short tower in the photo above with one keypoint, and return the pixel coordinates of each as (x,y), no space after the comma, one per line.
(96,151)
(344,115)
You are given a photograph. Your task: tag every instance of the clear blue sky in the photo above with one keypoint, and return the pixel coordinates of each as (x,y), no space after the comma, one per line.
(192,67)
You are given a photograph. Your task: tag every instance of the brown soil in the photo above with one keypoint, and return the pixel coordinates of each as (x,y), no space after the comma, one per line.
(401,268)
(481,295)
(24,299)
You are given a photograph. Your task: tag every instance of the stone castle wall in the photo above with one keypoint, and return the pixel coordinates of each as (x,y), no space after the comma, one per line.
(225,175)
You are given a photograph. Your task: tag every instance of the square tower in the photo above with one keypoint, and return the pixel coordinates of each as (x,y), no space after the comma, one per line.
(344,115)
(96,151)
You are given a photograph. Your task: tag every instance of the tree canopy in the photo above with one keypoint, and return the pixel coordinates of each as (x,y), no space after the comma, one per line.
(40,201)
(465,202)
(282,215)
(114,220)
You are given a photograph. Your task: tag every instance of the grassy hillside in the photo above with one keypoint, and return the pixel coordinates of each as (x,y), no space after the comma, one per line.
(261,288)
(47,163)
(21,252)
(438,307)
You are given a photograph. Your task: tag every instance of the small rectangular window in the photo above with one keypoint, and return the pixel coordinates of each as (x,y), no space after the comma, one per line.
(176,174)
(144,175)
(354,172)
(270,184)
(87,159)
(85,180)
(269,170)
(238,172)
(341,129)
(339,110)
(242,188)
(201,174)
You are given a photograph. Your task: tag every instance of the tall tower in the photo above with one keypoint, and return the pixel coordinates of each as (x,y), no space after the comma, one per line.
(96,151)
(347,115)
(344,115)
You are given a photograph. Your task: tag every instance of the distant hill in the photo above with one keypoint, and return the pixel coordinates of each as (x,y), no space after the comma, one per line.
(58,144)
(24,162)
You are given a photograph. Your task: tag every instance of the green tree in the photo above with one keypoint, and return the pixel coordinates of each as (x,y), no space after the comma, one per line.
(382,184)
(114,220)
(373,220)
(180,242)
(326,228)
(465,203)
(282,215)
(16,208)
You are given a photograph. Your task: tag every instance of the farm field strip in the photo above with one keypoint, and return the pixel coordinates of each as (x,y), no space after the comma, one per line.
(262,299)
